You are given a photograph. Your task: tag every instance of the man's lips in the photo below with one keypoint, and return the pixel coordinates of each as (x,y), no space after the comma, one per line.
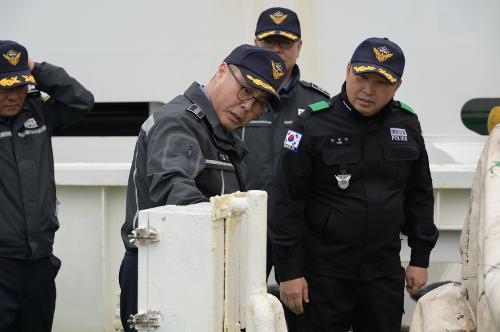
(11,106)
(234,117)
(365,101)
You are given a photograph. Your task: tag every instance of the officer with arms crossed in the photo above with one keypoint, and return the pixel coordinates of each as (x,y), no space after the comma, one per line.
(186,152)
(353,174)
(278,29)
(28,217)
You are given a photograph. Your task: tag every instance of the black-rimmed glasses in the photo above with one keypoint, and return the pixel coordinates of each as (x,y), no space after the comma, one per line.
(245,93)
(284,43)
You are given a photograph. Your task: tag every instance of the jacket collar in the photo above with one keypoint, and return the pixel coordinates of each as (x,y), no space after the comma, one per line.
(224,138)
(294,79)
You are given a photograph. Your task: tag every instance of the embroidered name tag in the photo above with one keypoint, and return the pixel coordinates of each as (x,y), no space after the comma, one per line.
(398,134)
(340,140)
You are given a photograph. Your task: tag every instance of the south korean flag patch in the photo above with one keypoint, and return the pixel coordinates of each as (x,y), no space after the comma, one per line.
(292,140)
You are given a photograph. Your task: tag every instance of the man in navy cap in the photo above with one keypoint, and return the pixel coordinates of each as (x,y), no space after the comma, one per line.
(28,217)
(354,174)
(186,152)
(278,29)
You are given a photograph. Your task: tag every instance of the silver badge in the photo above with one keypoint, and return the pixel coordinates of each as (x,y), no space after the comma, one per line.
(343,180)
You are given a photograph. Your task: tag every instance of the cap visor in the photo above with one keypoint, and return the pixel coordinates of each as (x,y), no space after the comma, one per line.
(280,33)
(363,68)
(15,79)
(259,83)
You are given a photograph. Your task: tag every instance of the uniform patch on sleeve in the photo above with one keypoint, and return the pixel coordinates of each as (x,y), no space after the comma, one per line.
(292,140)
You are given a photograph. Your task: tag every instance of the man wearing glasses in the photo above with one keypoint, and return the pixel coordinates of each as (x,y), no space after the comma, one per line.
(278,29)
(186,152)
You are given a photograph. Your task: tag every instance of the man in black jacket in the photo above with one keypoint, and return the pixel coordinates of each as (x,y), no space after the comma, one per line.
(278,29)
(28,217)
(186,152)
(353,174)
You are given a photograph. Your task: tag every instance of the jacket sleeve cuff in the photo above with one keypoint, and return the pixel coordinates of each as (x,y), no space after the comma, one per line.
(420,258)
(287,270)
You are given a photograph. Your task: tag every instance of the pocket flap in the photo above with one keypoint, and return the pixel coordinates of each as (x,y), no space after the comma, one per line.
(400,152)
(342,156)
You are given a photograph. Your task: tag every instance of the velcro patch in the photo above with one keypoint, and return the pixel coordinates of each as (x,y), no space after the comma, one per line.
(292,140)
(399,135)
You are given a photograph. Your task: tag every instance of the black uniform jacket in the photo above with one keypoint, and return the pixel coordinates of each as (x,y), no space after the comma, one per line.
(264,135)
(28,218)
(182,156)
(344,195)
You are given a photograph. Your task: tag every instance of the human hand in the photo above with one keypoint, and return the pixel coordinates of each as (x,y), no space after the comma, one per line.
(294,293)
(416,277)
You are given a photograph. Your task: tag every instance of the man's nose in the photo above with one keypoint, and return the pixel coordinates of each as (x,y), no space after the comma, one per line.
(248,104)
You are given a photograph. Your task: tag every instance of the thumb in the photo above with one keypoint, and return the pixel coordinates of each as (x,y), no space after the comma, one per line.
(305,293)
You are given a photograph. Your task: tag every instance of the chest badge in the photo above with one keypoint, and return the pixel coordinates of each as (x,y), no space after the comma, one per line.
(343,180)
(31,123)
(223,157)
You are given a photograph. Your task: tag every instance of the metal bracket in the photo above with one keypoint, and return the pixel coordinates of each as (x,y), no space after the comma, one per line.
(146,321)
(144,235)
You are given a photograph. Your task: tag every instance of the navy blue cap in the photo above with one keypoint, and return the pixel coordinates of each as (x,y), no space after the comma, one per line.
(381,56)
(278,21)
(14,69)
(261,68)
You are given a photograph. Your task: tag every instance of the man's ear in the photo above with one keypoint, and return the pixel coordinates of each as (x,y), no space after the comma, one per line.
(398,85)
(348,69)
(221,71)
(299,45)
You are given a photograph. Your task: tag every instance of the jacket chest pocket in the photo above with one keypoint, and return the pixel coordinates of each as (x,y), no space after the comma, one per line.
(342,168)
(398,160)
(218,178)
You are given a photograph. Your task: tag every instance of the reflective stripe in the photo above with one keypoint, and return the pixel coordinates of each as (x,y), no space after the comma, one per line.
(33,131)
(243,134)
(260,122)
(135,222)
(218,163)
(148,124)
(287,122)
(223,183)
(4,134)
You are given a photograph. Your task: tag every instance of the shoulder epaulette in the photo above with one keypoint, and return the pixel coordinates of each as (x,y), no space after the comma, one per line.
(406,108)
(196,110)
(320,106)
(315,87)
(45,97)
(32,92)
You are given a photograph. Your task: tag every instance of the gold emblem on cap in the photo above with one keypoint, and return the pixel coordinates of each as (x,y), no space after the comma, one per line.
(9,81)
(278,17)
(12,56)
(382,53)
(261,83)
(29,79)
(361,69)
(277,69)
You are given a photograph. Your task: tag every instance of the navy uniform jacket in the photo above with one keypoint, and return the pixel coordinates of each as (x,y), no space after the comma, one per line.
(182,156)
(28,217)
(352,233)
(264,135)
